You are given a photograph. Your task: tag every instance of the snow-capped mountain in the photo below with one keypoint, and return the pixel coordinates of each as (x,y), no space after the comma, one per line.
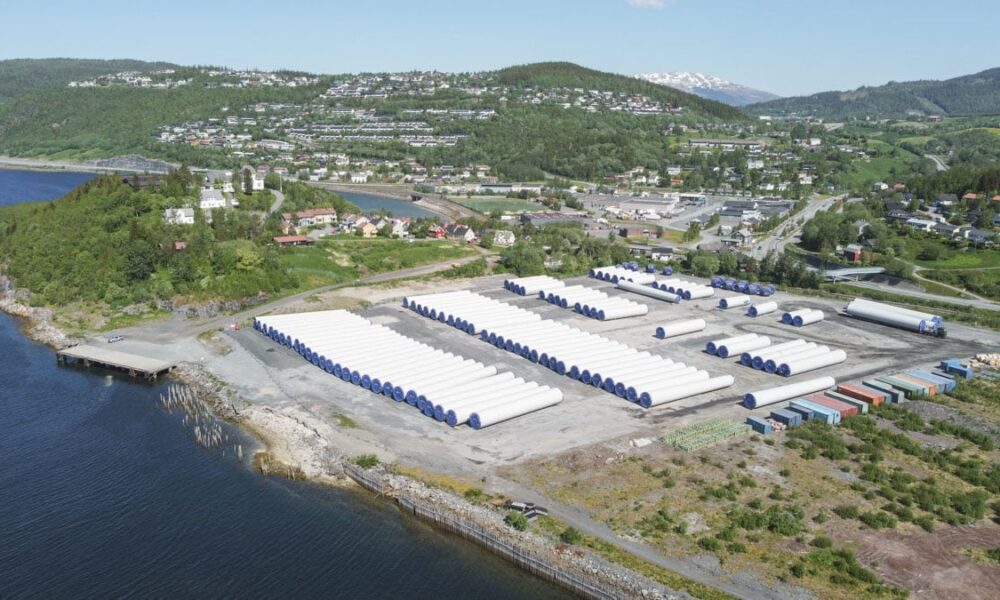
(707,86)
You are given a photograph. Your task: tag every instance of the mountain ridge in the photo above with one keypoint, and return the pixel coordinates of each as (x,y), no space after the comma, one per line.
(709,86)
(966,95)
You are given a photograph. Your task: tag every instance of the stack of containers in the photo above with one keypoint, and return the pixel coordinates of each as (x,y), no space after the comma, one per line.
(593,303)
(616,274)
(732,346)
(529,286)
(639,376)
(394,365)
(893,315)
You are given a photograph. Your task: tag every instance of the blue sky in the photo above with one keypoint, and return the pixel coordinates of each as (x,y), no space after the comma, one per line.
(783,46)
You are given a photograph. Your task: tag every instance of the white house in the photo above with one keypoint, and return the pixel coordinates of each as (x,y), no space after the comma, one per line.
(211,198)
(503,238)
(257,182)
(178,216)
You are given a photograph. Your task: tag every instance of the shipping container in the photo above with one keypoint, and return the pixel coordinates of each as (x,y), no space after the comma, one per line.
(954,366)
(825,413)
(929,388)
(845,410)
(909,389)
(944,384)
(759,425)
(860,393)
(861,405)
(891,394)
(790,418)
(804,414)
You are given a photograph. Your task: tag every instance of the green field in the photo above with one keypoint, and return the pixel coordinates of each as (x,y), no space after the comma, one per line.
(487,204)
(340,260)
(959,259)
(875,169)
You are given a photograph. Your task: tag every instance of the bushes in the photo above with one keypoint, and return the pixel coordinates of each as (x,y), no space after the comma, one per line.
(571,535)
(366,461)
(710,544)
(516,520)
(878,520)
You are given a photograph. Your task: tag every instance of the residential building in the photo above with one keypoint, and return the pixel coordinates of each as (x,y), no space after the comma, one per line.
(503,238)
(457,231)
(292,240)
(178,216)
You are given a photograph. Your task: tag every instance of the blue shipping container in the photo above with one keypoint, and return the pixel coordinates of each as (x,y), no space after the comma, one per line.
(825,413)
(788,417)
(759,425)
(943,384)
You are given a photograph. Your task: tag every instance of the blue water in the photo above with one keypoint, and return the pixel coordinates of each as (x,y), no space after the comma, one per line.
(103,494)
(24,186)
(399,208)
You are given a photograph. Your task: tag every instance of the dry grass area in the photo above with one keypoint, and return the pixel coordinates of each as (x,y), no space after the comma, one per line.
(776,505)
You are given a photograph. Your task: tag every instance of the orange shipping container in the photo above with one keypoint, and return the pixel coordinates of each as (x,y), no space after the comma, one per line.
(860,393)
(845,409)
(931,387)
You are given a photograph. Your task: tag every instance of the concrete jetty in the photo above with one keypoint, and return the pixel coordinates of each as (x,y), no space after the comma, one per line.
(133,364)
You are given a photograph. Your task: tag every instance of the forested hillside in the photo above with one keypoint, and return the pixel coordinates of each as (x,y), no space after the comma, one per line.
(106,243)
(108,121)
(20,76)
(569,75)
(977,94)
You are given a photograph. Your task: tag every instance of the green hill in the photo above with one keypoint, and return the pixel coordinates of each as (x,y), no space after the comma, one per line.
(20,76)
(569,75)
(523,141)
(968,95)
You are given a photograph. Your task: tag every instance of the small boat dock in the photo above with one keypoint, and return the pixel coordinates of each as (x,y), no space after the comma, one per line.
(133,364)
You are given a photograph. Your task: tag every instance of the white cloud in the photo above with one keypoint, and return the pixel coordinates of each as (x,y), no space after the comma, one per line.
(647,3)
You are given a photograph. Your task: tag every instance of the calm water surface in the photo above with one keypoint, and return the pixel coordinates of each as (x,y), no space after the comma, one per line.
(104,494)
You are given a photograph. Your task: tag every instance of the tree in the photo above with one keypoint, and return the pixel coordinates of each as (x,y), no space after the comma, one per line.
(140,260)
(247,182)
(693,231)
(705,265)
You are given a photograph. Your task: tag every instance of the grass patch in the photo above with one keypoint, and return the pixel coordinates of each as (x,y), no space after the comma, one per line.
(613,553)
(341,260)
(345,421)
(487,204)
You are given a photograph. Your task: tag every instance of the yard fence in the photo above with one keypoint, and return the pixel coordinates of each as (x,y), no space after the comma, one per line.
(470,530)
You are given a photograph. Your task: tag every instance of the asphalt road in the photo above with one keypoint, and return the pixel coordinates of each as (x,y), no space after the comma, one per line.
(777,242)
(941,166)
(976,303)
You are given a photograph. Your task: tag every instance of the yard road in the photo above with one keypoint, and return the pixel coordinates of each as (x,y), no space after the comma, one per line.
(777,243)
(973,302)
(941,166)
(178,327)
(279,199)
(740,587)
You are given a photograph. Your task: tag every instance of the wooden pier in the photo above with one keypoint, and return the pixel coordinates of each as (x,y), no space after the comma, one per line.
(133,364)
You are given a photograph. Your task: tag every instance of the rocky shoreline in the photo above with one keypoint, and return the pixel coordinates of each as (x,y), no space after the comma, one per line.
(297,448)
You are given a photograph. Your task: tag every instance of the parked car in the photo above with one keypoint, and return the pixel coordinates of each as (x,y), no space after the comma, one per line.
(115,338)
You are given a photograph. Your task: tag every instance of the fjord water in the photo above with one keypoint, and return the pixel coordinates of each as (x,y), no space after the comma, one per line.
(399,208)
(104,494)
(25,186)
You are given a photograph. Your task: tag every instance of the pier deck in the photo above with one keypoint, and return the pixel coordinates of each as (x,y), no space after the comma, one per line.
(133,364)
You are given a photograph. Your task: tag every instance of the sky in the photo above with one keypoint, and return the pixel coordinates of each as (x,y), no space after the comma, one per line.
(788,47)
